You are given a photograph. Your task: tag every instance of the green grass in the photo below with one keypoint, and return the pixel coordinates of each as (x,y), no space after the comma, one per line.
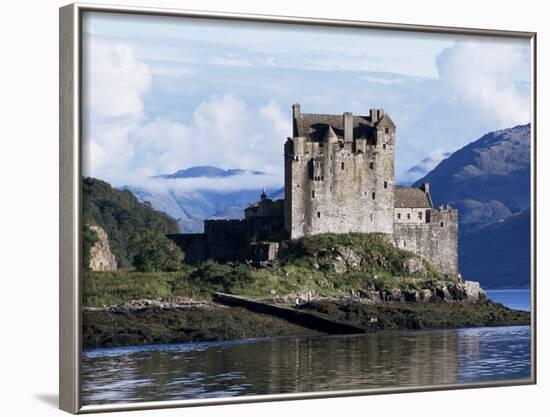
(305,264)
(115,287)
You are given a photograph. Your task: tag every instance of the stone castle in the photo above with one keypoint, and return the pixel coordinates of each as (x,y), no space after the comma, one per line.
(339,178)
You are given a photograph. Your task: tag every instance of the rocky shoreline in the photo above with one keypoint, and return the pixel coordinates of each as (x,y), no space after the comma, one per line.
(182,320)
(177,320)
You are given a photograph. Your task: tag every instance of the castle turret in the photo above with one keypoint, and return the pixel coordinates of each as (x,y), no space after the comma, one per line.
(348,127)
(295,119)
(330,136)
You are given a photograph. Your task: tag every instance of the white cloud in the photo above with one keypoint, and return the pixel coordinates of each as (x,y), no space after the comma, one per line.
(122,145)
(484,76)
(224,132)
(280,121)
(170,70)
(114,85)
(232,60)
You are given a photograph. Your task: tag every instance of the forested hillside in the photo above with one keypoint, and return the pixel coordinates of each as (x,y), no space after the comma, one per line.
(121,215)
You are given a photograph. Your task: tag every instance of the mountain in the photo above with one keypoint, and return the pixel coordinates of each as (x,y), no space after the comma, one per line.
(192,205)
(487,180)
(498,255)
(207,171)
(422,168)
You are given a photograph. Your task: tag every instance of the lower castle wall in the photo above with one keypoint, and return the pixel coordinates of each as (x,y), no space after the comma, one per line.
(436,241)
(229,240)
(193,245)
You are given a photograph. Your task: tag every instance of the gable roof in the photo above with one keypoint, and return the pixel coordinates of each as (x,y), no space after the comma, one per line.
(406,197)
(314,126)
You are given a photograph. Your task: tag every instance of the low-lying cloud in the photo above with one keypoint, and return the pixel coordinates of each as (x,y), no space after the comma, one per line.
(178,186)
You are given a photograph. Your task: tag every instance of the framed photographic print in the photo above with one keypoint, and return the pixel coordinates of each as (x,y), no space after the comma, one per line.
(257,208)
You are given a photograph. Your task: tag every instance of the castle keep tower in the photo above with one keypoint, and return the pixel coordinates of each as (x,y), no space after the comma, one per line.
(339,173)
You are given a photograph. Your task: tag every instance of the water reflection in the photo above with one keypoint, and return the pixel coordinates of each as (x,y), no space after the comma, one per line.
(289,365)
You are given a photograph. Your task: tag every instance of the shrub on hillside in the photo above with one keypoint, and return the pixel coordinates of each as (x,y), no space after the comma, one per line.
(153,251)
(222,277)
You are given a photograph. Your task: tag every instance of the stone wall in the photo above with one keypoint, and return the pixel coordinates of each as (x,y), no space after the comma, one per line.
(411,215)
(230,240)
(436,241)
(193,245)
(340,187)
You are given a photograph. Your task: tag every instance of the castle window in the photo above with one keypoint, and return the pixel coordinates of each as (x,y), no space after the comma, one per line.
(331,189)
(342,165)
(385,184)
(404,243)
(399,216)
(373,196)
(322,178)
(441,224)
(408,216)
(371,217)
(371,165)
(331,157)
(419,215)
(318,214)
(386,130)
(384,146)
(313,194)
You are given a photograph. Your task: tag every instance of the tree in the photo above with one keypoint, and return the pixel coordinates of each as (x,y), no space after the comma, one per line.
(153,251)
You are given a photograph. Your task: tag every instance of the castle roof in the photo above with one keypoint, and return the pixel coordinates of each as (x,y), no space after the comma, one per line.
(406,197)
(329,133)
(314,126)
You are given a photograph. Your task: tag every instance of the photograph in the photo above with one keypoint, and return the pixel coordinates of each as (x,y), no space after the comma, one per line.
(274,208)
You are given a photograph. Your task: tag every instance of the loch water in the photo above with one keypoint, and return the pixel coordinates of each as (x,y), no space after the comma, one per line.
(308,364)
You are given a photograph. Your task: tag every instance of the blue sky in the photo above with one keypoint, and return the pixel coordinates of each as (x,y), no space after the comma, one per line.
(162,94)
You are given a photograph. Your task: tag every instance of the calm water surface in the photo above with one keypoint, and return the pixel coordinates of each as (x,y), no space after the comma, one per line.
(305,364)
(516,299)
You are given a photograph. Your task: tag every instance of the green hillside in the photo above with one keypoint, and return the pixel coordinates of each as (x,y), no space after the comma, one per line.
(121,215)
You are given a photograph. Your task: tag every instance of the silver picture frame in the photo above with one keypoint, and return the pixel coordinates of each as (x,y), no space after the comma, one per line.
(70,197)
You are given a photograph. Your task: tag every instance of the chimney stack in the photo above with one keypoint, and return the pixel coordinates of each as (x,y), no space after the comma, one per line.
(425,187)
(348,127)
(373,115)
(295,119)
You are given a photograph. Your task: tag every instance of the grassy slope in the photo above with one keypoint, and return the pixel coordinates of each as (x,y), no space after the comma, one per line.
(305,264)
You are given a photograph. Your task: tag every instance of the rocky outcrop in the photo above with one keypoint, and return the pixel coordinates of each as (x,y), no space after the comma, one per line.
(101,257)
(467,291)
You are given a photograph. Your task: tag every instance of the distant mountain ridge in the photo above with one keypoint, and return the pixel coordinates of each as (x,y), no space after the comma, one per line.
(498,255)
(207,171)
(487,180)
(190,207)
